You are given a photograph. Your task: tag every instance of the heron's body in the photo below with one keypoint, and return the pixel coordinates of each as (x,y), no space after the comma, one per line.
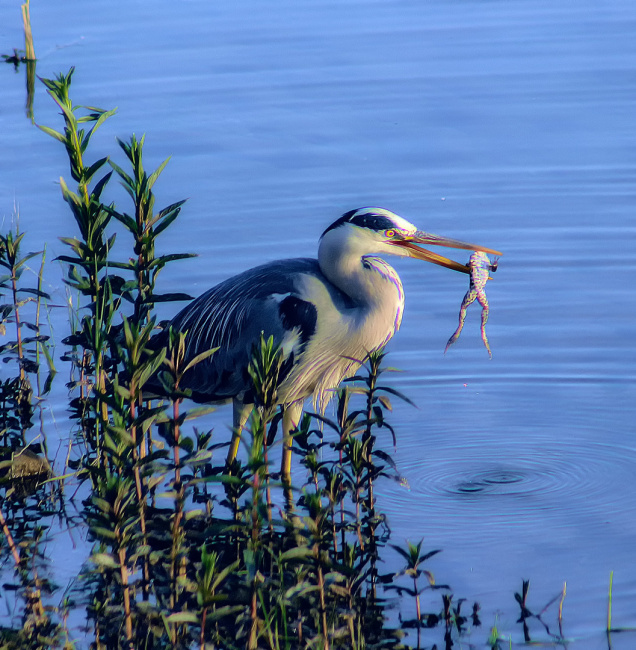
(323,313)
(316,324)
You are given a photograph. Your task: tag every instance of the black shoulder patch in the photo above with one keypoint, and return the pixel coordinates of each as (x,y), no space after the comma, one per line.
(295,312)
(365,220)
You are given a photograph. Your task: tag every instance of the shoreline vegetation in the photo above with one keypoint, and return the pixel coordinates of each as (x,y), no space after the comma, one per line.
(186,552)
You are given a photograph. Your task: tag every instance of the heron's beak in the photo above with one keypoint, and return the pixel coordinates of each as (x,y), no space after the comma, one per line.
(413,250)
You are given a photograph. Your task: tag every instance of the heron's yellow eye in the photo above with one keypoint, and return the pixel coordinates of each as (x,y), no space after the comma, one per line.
(389,233)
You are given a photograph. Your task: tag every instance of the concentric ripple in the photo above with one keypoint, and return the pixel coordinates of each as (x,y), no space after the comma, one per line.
(491,481)
(547,475)
(494,478)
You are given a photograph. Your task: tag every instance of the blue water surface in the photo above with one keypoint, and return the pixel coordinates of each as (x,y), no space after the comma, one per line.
(508,123)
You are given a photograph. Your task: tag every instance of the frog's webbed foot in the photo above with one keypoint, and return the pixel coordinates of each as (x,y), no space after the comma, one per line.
(453,338)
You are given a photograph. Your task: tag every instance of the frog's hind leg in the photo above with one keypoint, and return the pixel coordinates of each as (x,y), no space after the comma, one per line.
(469,298)
(485,310)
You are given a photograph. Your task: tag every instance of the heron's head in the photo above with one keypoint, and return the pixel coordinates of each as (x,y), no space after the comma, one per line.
(374,231)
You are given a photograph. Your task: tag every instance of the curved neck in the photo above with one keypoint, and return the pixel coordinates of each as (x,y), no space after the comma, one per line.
(367,280)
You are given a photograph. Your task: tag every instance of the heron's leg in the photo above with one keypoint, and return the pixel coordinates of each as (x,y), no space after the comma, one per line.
(291,418)
(240,413)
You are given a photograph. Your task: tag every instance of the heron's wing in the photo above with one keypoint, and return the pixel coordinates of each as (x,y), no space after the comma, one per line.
(232,315)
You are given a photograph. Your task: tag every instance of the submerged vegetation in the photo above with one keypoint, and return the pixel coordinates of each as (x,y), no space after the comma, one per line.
(187,552)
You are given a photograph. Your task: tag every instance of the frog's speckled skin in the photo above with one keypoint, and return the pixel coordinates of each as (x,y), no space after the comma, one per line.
(480,267)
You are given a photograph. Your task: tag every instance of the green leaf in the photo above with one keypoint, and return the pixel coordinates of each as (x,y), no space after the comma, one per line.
(99,186)
(199,358)
(397,393)
(153,177)
(220,577)
(227,610)
(88,173)
(199,412)
(164,259)
(26,258)
(402,552)
(186,443)
(201,457)
(104,560)
(300,589)
(150,368)
(386,458)
(124,218)
(386,402)
(190,514)
(128,182)
(430,577)
(172,494)
(298,553)
(168,297)
(122,435)
(102,118)
(224,478)
(171,213)
(183,617)
(35,292)
(426,556)
(52,132)
(142,550)
(333,576)
(94,109)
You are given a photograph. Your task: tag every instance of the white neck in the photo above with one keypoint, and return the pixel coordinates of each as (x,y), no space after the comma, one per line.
(369,281)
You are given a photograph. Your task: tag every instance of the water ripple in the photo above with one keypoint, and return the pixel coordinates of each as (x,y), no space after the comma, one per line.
(545,475)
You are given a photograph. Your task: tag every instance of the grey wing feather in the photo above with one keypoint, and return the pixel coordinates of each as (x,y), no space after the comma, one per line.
(232,315)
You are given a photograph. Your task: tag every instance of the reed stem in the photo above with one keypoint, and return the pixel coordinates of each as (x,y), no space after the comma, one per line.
(28,36)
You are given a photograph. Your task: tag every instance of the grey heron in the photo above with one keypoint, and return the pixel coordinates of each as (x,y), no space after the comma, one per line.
(322,313)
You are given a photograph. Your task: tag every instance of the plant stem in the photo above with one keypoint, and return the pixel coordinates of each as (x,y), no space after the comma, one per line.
(561,610)
(141,498)
(609,603)
(418,613)
(126,592)
(12,546)
(18,325)
(323,607)
(28,36)
(178,514)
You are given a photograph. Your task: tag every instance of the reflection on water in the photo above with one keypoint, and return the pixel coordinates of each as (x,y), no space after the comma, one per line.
(506,123)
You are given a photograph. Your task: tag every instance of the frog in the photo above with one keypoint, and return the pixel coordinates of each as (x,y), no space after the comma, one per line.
(480,268)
